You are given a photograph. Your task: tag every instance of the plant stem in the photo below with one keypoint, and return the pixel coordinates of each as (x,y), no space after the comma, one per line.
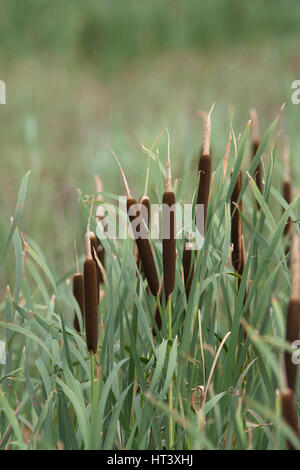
(92,377)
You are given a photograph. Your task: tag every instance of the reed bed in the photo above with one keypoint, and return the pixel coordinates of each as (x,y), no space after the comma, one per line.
(169,370)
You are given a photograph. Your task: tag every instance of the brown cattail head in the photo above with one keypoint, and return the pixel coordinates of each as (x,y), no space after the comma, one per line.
(91,304)
(169,241)
(146,214)
(144,249)
(188,268)
(293,313)
(78,292)
(236,225)
(204,167)
(289,412)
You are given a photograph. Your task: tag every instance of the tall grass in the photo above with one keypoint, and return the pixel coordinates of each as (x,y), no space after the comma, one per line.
(143,392)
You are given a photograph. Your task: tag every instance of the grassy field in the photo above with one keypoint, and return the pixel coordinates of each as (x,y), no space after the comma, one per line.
(117,75)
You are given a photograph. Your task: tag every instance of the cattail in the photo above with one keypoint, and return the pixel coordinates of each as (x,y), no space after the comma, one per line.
(78,292)
(204,167)
(287,186)
(143,243)
(90,297)
(168,229)
(289,412)
(293,313)
(145,213)
(236,225)
(255,145)
(188,268)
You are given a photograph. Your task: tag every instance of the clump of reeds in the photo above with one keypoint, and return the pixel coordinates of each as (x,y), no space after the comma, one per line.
(255,145)
(204,167)
(289,412)
(293,313)
(90,296)
(168,231)
(142,242)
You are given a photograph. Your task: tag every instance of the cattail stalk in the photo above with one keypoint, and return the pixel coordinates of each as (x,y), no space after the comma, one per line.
(168,229)
(90,297)
(293,313)
(78,292)
(143,243)
(204,167)
(289,412)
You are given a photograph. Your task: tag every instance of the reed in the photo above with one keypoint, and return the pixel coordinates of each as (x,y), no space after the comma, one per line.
(293,313)
(289,412)
(255,145)
(78,292)
(143,243)
(94,250)
(236,225)
(90,297)
(204,166)
(188,268)
(168,231)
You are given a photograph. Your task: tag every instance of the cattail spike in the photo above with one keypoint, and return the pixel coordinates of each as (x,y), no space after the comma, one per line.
(126,187)
(91,304)
(206,130)
(88,248)
(168,174)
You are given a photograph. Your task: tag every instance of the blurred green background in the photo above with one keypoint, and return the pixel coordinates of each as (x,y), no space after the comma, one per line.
(81,74)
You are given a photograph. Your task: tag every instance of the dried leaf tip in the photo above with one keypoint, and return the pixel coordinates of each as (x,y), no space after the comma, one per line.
(295,292)
(226,157)
(168,174)
(255,126)
(88,248)
(126,187)
(206,130)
